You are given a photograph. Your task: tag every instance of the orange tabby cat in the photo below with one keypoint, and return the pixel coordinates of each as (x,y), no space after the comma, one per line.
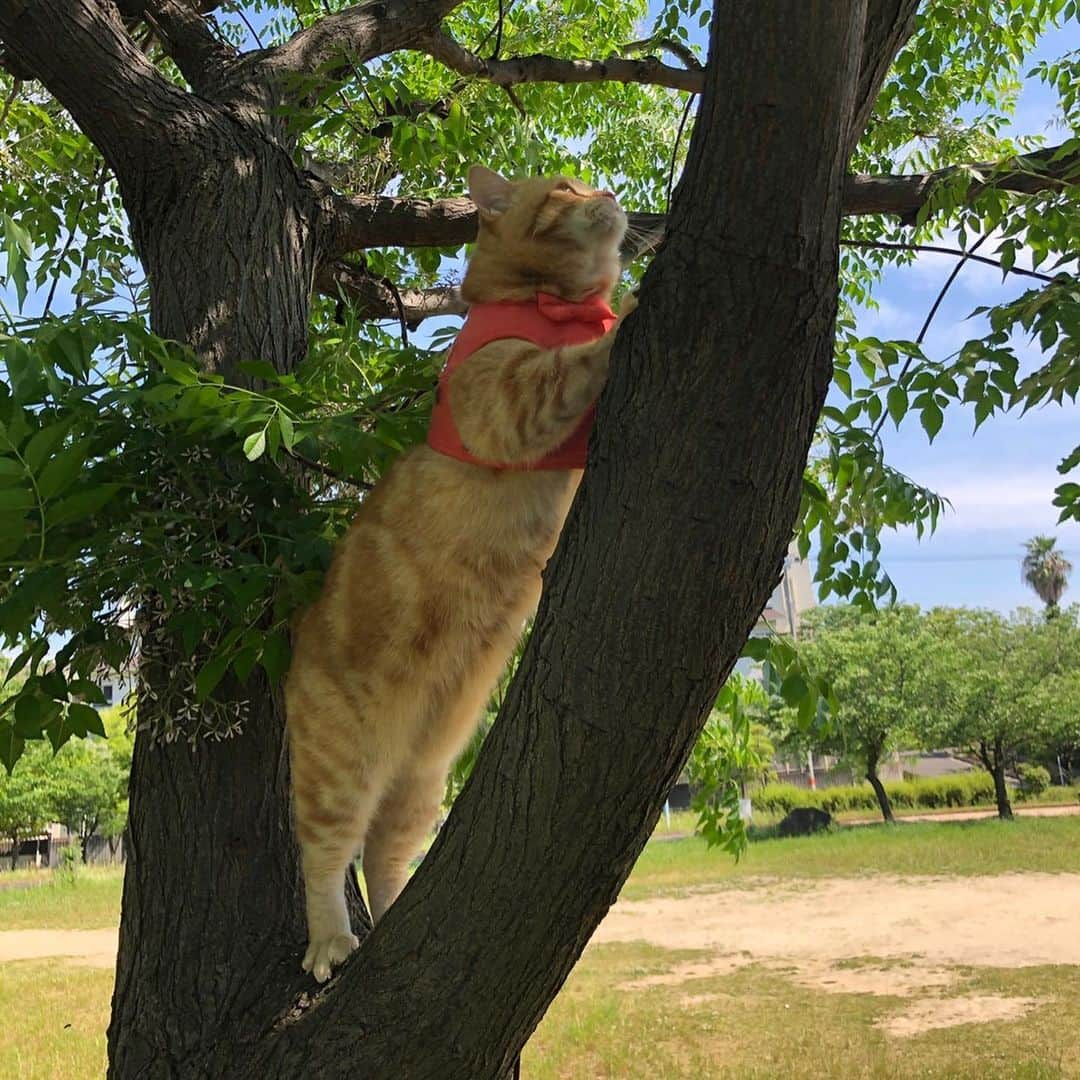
(429,589)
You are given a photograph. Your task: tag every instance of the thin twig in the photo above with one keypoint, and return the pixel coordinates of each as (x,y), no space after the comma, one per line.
(945,288)
(400,309)
(504,10)
(516,102)
(970,253)
(947,251)
(319,467)
(675,149)
(676,48)
(60,259)
(251,29)
(498,32)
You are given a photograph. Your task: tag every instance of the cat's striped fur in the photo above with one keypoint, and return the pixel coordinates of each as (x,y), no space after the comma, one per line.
(429,589)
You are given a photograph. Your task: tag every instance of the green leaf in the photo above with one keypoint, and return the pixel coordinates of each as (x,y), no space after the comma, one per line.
(931,419)
(42,443)
(17,499)
(84,688)
(59,730)
(756,648)
(260,369)
(81,505)
(62,471)
(794,688)
(85,719)
(897,403)
(210,676)
(275,656)
(11,746)
(255,445)
(288,432)
(28,714)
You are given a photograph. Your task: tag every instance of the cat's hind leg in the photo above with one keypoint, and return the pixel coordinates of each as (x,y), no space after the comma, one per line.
(335,792)
(406,815)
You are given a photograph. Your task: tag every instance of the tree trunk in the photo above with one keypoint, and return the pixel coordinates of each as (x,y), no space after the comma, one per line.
(879,789)
(674,544)
(212,926)
(1001,789)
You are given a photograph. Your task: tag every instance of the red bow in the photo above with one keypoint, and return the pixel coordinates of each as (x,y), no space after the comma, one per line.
(593,308)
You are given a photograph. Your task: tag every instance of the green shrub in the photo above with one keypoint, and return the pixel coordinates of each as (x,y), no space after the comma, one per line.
(1034,780)
(936,793)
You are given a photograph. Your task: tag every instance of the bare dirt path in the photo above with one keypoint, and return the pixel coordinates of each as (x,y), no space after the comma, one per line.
(873,935)
(96,948)
(1060,810)
(949,920)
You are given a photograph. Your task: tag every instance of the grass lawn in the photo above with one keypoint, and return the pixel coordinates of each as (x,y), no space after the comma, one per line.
(757,1021)
(948,847)
(55,1015)
(91,902)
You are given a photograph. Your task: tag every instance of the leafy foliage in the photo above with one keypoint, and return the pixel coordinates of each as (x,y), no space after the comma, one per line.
(147,504)
(732,750)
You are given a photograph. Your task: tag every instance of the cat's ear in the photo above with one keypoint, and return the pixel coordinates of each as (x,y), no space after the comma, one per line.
(490,192)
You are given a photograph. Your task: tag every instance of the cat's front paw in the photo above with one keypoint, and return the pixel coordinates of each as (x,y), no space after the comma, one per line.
(323,953)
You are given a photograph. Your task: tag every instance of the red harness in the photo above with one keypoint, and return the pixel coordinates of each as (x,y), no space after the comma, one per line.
(547,321)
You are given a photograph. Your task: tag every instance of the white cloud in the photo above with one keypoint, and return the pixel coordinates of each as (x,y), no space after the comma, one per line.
(1010,498)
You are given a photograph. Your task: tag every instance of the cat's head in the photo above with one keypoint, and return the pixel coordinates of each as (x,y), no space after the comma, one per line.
(554,235)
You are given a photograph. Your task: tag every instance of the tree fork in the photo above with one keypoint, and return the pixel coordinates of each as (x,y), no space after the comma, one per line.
(670,551)
(666,561)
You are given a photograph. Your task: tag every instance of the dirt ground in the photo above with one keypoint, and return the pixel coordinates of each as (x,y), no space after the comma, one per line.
(874,935)
(96,948)
(877,935)
(1064,810)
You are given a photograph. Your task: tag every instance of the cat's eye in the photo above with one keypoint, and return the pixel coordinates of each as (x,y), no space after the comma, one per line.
(562,185)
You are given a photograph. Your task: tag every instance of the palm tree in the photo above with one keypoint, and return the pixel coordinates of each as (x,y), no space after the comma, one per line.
(1046,570)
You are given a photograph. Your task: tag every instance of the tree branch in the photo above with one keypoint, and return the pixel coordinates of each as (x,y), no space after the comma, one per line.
(510,892)
(906,195)
(373,299)
(186,37)
(365,221)
(80,50)
(676,48)
(889,23)
(541,68)
(355,35)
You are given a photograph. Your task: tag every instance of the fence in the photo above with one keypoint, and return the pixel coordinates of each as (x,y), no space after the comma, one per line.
(44,851)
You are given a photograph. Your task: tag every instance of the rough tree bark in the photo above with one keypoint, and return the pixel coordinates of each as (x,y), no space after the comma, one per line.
(672,548)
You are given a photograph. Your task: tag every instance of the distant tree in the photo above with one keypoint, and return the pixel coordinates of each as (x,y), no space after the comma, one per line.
(86,783)
(1046,570)
(878,664)
(1054,700)
(989,673)
(25,805)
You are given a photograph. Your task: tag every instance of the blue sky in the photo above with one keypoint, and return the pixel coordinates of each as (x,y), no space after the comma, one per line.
(1000,480)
